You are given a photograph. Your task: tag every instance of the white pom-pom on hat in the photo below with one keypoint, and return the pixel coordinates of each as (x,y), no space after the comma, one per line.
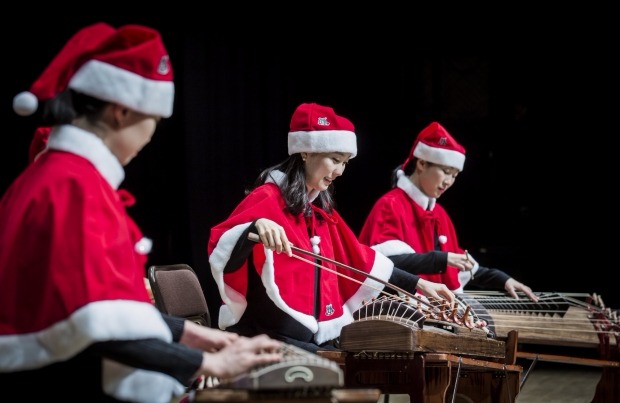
(25,103)
(443,239)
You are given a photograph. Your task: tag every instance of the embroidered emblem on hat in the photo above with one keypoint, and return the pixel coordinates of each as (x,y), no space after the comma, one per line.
(164,65)
(329,310)
(443,141)
(323,122)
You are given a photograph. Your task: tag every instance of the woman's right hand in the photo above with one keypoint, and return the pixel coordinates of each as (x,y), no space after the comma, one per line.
(273,236)
(436,292)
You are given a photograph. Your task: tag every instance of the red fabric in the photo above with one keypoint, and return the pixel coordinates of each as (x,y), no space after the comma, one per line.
(65,243)
(39,142)
(128,200)
(395,216)
(309,117)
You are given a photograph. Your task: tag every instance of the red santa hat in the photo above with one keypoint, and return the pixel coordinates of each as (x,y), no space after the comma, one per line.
(317,129)
(434,144)
(129,66)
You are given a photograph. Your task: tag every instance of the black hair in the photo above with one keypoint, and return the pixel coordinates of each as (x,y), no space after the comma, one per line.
(408,170)
(68,105)
(294,189)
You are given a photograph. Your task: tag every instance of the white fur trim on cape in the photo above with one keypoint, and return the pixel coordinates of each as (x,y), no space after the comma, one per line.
(86,144)
(322,141)
(113,84)
(422,200)
(97,321)
(234,303)
(136,385)
(393,247)
(268,278)
(381,269)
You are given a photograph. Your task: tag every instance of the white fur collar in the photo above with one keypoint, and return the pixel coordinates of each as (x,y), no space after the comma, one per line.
(86,144)
(427,203)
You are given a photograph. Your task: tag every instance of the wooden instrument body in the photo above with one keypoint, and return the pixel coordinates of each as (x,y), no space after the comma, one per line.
(560,323)
(299,370)
(568,344)
(388,335)
(430,360)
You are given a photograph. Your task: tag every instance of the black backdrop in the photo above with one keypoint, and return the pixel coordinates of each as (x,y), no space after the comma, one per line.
(532,199)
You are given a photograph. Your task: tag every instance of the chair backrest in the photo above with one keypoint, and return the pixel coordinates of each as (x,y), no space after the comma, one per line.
(177,291)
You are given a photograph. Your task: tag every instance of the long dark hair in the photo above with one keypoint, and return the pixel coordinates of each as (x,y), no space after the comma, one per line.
(408,170)
(293,187)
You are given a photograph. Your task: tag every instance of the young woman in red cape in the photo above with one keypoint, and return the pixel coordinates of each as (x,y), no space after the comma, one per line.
(76,316)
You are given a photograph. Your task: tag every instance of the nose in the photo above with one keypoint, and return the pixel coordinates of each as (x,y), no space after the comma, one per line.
(339,170)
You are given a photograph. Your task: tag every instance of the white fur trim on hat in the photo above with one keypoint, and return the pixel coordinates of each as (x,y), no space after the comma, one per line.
(440,156)
(113,84)
(323,141)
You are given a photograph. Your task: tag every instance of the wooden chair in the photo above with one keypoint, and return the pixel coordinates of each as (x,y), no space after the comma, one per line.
(177,291)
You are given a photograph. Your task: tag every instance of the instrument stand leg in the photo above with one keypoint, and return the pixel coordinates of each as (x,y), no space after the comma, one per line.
(390,375)
(608,387)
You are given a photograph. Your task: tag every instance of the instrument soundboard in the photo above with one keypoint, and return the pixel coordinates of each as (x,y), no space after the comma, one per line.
(298,370)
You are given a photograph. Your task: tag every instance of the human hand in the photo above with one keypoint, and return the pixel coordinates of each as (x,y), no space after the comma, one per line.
(206,338)
(512,286)
(461,261)
(273,236)
(241,356)
(437,292)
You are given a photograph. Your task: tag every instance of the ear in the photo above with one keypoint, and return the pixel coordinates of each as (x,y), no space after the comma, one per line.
(120,115)
(304,155)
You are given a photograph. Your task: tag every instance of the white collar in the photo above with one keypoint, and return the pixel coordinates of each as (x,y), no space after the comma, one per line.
(77,141)
(422,200)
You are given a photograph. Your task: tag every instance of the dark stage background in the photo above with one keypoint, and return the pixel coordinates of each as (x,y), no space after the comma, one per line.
(533,198)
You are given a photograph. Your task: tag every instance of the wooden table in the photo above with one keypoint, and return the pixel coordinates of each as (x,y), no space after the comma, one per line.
(336,396)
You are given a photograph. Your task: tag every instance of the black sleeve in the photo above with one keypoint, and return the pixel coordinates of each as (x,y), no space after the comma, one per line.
(176,325)
(174,359)
(241,251)
(427,263)
(402,279)
(488,279)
